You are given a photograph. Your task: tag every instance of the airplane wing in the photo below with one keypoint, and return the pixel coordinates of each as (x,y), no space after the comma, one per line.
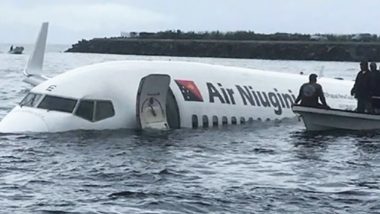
(33,69)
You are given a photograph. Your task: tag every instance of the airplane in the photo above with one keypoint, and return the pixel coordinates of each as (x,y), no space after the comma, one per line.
(141,94)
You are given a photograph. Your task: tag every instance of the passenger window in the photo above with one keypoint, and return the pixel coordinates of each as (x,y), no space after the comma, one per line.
(57,104)
(104,109)
(205,121)
(224,121)
(242,120)
(194,120)
(85,110)
(215,121)
(31,100)
(233,121)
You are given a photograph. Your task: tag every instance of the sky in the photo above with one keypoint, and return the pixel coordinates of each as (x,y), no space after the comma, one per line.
(74,20)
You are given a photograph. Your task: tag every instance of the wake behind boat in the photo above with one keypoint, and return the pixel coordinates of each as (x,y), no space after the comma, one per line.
(318,119)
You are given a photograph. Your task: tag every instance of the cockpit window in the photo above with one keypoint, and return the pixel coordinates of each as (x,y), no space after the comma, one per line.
(104,109)
(31,100)
(85,109)
(91,110)
(54,103)
(95,110)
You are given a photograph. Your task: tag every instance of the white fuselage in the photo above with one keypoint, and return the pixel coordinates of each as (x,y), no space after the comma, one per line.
(227,94)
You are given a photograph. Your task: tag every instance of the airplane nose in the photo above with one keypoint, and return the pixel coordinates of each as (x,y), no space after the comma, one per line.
(20,121)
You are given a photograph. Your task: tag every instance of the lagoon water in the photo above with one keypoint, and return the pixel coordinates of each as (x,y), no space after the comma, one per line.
(259,168)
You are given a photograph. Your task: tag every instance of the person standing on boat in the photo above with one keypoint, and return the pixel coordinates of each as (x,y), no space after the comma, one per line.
(372,67)
(362,89)
(375,87)
(311,92)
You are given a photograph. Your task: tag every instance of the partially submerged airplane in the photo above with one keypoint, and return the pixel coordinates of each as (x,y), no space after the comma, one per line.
(157,95)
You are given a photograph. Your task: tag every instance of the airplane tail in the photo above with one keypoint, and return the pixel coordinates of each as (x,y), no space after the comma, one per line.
(34,67)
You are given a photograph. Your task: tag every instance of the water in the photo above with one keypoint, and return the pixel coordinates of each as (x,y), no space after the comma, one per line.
(260,168)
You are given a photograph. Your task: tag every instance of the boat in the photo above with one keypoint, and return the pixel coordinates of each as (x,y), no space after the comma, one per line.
(16,50)
(320,119)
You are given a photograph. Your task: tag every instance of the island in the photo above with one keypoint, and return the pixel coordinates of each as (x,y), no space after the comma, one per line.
(241,44)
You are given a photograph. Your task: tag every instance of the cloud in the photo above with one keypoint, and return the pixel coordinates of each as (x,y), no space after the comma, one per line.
(96,19)
(72,20)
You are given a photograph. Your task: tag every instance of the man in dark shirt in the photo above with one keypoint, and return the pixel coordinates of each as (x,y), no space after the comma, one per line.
(375,87)
(362,89)
(310,93)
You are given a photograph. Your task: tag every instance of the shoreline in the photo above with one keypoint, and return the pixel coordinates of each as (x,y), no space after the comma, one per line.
(241,49)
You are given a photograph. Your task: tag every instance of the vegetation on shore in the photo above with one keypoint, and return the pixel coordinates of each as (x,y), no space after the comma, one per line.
(240,44)
(250,35)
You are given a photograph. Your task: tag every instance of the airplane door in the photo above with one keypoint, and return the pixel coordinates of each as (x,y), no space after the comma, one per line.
(151,102)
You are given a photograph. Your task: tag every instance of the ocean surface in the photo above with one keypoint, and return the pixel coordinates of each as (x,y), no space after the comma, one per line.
(266,167)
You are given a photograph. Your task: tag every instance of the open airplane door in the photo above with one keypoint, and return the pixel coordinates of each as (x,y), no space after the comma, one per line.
(151,102)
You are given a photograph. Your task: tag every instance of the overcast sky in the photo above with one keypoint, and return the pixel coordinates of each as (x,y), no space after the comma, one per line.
(73,20)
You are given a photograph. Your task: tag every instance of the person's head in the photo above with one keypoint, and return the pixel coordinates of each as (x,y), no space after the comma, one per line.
(373,66)
(313,78)
(364,66)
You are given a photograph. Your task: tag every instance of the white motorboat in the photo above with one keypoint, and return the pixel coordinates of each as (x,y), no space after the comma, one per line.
(16,50)
(318,119)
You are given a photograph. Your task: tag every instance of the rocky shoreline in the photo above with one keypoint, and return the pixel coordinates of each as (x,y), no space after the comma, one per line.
(249,49)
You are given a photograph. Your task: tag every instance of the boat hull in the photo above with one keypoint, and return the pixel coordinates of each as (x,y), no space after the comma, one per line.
(16,50)
(317,119)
